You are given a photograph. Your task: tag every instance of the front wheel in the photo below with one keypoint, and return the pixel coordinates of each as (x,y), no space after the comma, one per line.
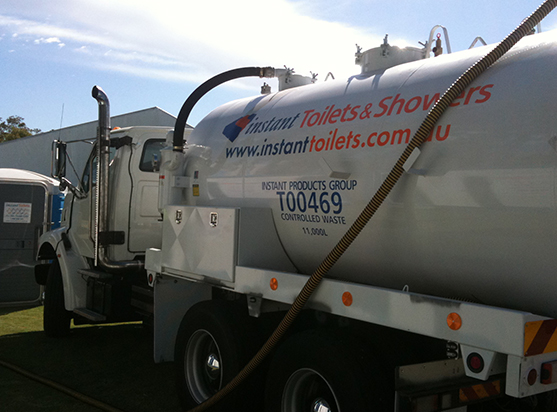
(321,371)
(215,341)
(56,319)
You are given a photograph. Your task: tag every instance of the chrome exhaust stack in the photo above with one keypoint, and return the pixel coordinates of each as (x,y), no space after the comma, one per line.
(102,233)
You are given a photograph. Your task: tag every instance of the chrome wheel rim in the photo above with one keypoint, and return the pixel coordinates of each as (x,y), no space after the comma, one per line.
(308,391)
(203,366)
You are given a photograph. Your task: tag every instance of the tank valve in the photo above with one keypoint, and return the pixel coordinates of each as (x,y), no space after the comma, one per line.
(438,50)
(385,47)
(265,89)
(314,77)
(358,54)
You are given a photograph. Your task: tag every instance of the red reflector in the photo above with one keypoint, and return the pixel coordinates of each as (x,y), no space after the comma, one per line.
(547,375)
(532,377)
(475,362)
(150,278)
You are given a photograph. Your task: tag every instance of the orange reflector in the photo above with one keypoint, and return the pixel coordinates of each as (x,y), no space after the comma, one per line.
(454,321)
(274,283)
(347,298)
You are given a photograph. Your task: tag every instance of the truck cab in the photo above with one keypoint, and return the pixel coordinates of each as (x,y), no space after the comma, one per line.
(133,193)
(69,262)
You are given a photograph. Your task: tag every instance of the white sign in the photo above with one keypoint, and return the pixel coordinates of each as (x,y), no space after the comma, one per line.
(17,212)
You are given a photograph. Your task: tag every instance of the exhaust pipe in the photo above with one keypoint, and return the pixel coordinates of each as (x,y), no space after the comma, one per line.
(101,209)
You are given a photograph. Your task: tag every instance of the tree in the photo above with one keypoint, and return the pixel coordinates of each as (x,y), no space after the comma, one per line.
(13,128)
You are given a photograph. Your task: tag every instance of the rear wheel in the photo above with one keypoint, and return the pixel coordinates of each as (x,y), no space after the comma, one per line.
(548,401)
(543,402)
(215,341)
(56,319)
(318,371)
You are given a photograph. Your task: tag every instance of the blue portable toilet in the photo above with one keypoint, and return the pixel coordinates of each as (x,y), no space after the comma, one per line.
(31,204)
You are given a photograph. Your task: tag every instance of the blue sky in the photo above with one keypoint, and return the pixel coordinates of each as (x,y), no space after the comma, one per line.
(155,53)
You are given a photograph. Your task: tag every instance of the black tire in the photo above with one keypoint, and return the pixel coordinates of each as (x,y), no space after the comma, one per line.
(56,319)
(543,402)
(324,371)
(548,401)
(223,334)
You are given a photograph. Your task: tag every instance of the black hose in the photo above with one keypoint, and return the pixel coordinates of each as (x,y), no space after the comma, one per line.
(77,395)
(181,121)
(419,138)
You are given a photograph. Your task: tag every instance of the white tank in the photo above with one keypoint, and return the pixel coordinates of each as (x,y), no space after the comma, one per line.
(474,219)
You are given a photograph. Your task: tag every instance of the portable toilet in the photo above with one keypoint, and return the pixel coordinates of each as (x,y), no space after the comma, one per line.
(31,204)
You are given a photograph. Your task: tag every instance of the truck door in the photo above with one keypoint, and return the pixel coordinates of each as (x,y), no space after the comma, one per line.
(145,227)
(82,229)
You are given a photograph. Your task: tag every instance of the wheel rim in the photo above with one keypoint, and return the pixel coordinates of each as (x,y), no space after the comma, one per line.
(203,366)
(308,391)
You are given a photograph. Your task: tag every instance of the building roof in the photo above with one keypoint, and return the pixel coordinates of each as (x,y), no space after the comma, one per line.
(33,153)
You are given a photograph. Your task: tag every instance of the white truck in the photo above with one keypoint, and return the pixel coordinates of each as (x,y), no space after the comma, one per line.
(445,301)
(84,284)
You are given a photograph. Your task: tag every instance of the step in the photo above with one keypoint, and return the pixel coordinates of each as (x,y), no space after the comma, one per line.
(97,274)
(143,291)
(142,299)
(89,314)
(146,307)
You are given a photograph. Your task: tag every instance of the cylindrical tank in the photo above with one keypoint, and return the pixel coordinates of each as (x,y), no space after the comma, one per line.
(475,218)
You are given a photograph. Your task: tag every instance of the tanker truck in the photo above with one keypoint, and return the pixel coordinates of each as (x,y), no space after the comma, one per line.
(442,300)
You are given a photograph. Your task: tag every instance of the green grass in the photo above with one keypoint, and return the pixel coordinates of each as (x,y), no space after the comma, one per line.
(112,363)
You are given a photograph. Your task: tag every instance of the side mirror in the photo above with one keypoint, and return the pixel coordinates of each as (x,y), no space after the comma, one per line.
(58,164)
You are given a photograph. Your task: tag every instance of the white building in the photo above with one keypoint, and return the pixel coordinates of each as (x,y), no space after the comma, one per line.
(34,152)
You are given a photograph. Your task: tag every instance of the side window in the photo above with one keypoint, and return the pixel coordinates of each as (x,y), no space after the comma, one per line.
(89,179)
(88,173)
(151,156)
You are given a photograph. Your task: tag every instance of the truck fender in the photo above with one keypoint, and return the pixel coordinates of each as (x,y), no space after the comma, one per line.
(51,246)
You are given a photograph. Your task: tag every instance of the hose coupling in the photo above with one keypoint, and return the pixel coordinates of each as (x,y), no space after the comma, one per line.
(268,72)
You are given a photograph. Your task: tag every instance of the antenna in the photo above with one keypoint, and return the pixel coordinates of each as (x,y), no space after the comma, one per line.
(61,119)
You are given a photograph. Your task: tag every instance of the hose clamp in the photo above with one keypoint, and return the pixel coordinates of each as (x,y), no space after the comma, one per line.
(268,72)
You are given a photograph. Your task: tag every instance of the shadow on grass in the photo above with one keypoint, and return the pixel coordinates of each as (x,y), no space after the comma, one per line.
(113,364)
(22,394)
